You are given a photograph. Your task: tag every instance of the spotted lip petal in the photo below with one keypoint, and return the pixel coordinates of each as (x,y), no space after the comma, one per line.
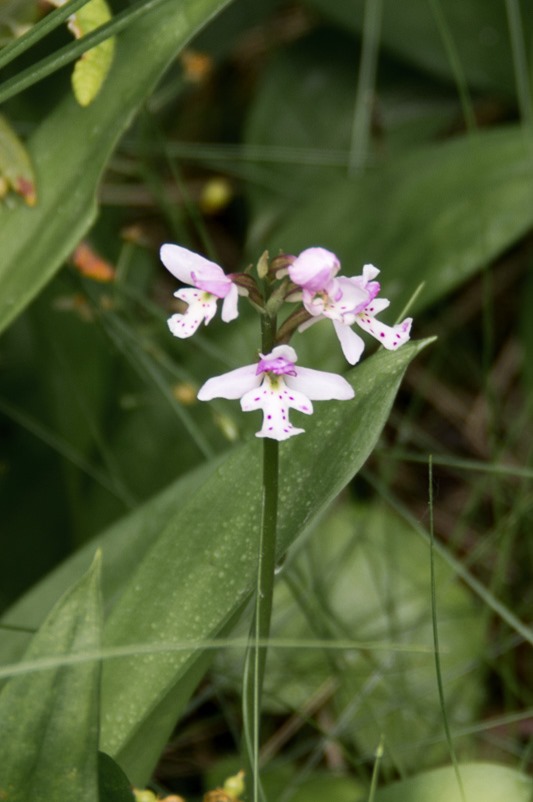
(201,307)
(209,282)
(275,385)
(347,300)
(391,337)
(275,398)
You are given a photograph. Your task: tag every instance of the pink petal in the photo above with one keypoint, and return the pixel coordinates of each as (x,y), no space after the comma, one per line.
(314,268)
(354,296)
(182,263)
(215,285)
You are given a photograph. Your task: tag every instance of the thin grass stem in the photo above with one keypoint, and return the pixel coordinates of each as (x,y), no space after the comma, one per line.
(440,684)
(266,564)
(521,70)
(456,66)
(365,86)
(71,52)
(37,32)
(375,770)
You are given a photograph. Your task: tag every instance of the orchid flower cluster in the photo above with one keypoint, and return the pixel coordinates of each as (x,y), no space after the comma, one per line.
(274,383)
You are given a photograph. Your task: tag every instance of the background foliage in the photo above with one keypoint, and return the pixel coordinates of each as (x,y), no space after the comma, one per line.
(397,134)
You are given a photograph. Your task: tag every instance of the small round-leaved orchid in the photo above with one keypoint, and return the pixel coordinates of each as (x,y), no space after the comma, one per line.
(209,282)
(345,301)
(275,384)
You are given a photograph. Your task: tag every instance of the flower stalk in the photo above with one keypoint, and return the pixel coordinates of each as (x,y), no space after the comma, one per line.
(276,385)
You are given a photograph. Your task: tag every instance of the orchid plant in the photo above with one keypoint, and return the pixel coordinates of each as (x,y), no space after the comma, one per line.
(274,383)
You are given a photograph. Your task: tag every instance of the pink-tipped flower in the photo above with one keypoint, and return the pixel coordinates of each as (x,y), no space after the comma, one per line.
(275,384)
(210,283)
(314,268)
(345,301)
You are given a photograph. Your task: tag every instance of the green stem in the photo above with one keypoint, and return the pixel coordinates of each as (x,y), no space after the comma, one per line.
(266,563)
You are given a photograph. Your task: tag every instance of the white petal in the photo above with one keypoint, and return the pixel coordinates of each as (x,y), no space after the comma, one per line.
(279,433)
(351,343)
(182,263)
(391,337)
(202,307)
(230,385)
(275,400)
(284,351)
(376,306)
(184,326)
(229,305)
(370,272)
(351,295)
(319,385)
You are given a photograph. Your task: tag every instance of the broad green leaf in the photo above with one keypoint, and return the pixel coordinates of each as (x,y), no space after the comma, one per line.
(410,29)
(123,546)
(365,575)
(72,145)
(482,782)
(436,216)
(49,717)
(201,570)
(181,567)
(113,784)
(303,150)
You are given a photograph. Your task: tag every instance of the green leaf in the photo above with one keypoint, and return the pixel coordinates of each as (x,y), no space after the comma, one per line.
(179,569)
(49,716)
(488,782)
(364,574)
(436,216)
(478,30)
(123,546)
(201,570)
(71,148)
(113,784)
